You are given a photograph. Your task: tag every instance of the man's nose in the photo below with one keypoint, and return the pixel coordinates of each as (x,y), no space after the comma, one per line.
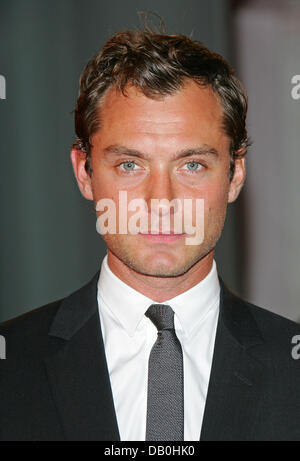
(161,188)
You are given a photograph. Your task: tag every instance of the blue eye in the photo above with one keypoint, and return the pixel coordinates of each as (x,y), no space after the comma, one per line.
(194,166)
(128,166)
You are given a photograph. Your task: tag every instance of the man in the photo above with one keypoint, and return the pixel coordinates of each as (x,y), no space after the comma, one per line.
(155,347)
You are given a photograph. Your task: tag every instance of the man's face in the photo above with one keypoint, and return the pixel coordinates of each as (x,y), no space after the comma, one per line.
(136,151)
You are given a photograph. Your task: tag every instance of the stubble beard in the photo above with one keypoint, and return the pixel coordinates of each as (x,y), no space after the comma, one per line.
(138,263)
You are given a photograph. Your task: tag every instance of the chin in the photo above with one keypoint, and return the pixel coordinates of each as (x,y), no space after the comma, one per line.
(160,265)
(160,271)
(156,262)
(156,266)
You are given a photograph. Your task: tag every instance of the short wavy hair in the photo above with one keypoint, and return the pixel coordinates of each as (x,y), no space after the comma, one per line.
(158,65)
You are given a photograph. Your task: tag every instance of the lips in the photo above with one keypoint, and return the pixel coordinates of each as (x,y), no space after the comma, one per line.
(160,233)
(160,237)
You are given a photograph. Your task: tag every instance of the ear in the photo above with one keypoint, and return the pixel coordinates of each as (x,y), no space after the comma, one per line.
(78,158)
(237,180)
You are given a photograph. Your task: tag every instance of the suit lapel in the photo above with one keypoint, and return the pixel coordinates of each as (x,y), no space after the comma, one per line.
(78,373)
(236,376)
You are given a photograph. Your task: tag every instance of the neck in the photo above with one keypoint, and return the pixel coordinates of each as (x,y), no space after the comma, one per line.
(160,289)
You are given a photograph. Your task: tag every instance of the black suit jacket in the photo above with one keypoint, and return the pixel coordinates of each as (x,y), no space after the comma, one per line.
(55,384)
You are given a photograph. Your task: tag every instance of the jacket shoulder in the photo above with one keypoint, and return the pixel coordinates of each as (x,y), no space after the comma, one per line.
(27,334)
(265,318)
(271,322)
(278,335)
(30,320)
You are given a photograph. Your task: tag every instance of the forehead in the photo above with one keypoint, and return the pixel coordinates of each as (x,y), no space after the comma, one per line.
(193,112)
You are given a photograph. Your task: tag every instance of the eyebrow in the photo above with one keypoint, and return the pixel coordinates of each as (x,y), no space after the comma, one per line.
(118,150)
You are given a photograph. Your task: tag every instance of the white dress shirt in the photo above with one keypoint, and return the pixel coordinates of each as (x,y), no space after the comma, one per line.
(129,336)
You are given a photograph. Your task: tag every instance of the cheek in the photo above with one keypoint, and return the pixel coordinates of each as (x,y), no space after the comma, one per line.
(103,186)
(215,197)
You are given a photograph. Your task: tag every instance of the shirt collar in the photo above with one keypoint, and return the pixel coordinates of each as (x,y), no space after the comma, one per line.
(128,305)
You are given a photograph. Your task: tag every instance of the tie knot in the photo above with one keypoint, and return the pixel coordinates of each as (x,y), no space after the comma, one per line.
(162,316)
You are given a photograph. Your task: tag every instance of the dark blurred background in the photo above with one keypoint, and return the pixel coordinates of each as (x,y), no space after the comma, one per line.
(49,245)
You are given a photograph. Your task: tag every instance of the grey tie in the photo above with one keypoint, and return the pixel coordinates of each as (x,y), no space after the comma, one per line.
(165,416)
